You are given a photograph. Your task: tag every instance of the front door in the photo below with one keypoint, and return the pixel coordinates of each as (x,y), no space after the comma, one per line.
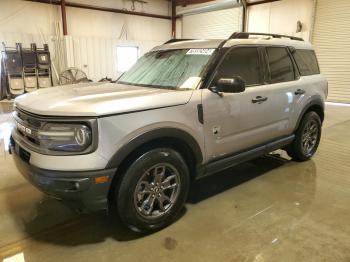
(237,121)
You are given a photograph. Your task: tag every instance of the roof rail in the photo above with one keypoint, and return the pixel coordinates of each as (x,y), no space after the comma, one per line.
(177,40)
(245,35)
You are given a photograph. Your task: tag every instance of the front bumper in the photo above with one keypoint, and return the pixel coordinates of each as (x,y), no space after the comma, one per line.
(83,187)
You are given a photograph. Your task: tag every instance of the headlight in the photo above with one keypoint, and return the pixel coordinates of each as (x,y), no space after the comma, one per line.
(65,137)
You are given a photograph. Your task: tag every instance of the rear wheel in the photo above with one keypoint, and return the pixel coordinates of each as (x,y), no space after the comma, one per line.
(153,190)
(307,138)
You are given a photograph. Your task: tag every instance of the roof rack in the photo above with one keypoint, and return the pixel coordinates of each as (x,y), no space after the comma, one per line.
(177,40)
(245,35)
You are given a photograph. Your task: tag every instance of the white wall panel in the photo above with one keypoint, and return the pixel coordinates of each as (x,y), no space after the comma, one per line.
(153,6)
(97,56)
(212,25)
(281,17)
(93,35)
(27,17)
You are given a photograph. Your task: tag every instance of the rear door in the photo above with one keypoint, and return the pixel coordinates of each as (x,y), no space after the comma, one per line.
(286,89)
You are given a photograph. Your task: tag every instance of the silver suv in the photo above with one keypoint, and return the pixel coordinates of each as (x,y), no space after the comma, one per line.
(185,110)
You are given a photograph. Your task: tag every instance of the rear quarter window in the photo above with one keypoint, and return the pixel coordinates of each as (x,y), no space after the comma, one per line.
(280,64)
(306,61)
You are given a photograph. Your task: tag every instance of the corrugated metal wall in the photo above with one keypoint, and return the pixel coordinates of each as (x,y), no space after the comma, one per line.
(331,40)
(281,17)
(212,25)
(96,56)
(93,35)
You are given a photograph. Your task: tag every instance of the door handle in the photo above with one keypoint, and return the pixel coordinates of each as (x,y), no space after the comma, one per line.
(259,99)
(299,92)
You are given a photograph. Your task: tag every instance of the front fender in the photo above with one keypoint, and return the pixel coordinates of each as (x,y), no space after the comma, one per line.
(147,137)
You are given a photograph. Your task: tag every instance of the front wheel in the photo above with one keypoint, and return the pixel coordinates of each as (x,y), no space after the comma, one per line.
(153,190)
(307,138)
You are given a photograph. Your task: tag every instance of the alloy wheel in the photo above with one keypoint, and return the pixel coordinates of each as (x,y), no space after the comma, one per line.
(309,137)
(157,191)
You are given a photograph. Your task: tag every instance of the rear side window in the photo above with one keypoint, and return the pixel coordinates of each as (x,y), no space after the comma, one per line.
(243,62)
(280,64)
(306,61)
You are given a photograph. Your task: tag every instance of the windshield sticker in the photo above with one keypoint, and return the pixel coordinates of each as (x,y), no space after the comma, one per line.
(201,51)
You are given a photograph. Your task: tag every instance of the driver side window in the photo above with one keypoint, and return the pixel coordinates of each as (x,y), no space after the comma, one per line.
(243,62)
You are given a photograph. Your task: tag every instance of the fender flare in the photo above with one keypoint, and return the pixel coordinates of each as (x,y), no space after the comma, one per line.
(161,133)
(315,100)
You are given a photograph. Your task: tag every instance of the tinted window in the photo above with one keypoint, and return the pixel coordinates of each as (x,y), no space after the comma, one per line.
(306,61)
(243,62)
(281,66)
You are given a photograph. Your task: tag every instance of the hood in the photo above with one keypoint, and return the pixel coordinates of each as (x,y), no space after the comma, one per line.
(98,99)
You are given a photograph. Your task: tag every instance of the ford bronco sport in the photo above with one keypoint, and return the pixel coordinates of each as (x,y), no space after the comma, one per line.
(185,110)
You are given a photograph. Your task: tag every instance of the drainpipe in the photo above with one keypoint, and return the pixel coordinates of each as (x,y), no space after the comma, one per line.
(64,17)
(244,15)
(173,19)
(313,19)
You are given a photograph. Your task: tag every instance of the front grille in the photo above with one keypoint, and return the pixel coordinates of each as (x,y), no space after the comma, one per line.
(27,126)
(28,119)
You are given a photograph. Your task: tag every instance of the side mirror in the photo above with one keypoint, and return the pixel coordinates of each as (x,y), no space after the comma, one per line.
(229,85)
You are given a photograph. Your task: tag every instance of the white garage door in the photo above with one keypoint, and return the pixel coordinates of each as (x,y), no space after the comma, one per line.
(212,25)
(331,39)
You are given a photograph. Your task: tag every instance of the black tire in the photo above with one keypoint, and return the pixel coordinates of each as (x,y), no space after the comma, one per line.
(300,150)
(126,199)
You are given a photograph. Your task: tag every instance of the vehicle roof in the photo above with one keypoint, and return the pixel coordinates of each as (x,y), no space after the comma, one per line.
(232,42)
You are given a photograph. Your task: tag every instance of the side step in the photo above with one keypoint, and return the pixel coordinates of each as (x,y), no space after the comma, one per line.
(232,160)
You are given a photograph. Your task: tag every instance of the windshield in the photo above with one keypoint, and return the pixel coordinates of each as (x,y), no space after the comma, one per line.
(168,68)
